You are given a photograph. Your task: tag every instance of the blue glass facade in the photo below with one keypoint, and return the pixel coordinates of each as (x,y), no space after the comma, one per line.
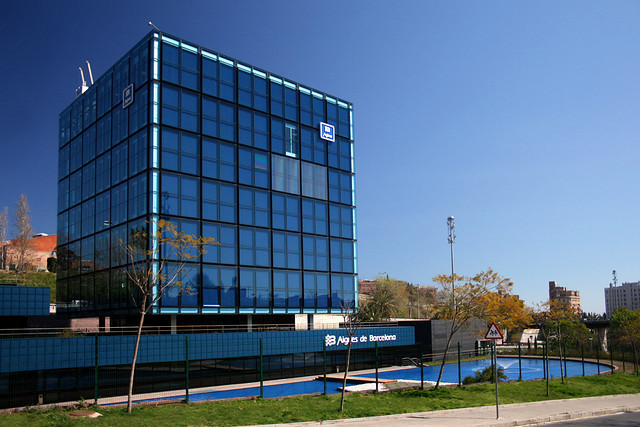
(224,150)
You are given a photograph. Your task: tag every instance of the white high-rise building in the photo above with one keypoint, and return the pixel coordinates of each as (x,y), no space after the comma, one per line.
(627,295)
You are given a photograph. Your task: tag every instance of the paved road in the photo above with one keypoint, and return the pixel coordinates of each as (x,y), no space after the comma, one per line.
(510,415)
(627,419)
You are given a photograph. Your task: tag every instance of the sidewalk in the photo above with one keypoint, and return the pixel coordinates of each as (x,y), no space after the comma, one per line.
(517,414)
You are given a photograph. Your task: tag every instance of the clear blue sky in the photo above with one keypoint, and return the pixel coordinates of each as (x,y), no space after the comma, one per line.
(519,118)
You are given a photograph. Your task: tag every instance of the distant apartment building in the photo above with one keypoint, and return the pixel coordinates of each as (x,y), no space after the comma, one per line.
(40,248)
(564,296)
(627,295)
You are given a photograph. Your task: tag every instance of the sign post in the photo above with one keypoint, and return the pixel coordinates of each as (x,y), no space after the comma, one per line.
(494,333)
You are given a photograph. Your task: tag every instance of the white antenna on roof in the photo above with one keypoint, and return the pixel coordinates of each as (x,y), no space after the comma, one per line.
(90,73)
(84,86)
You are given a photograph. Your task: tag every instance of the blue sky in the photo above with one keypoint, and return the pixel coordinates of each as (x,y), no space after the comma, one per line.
(518,118)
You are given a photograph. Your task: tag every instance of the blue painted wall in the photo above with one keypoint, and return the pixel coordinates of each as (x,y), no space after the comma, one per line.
(29,354)
(24,301)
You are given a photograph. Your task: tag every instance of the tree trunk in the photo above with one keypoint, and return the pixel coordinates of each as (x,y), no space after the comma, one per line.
(560,353)
(135,354)
(444,359)
(346,373)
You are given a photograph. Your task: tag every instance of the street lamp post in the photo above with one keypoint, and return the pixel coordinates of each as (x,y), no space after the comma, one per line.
(451,239)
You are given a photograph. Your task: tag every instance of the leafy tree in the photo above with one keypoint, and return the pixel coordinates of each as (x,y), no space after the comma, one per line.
(506,310)
(551,319)
(460,303)
(159,260)
(22,224)
(383,304)
(51,264)
(4,231)
(625,329)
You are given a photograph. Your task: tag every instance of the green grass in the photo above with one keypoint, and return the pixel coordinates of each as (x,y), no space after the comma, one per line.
(297,409)
(34,278)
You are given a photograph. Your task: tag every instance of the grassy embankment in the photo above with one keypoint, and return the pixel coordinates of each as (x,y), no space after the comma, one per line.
(35,278)
(296,409)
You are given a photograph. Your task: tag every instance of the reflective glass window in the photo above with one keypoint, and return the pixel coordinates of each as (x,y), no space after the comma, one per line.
(218,160)
(342,255)
(219,286)
(341,221)
(286,250)
(342,290)
(285,174)
(287,289)
(89,180)
(119,163)
(88,217)
(255,287)
(138,153)
(285,212)
(218,201)
(340,187)
(103,134)
(138,196)
(255,247)
(253,207)
(314,217)
(315,253)
(119,204)
(180,195)
(316,290)
(89,144)
(224,252)
(103,172)
(180,151)
(253,167)
(314,181)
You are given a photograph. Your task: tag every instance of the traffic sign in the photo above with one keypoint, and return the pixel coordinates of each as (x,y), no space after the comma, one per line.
(494,333)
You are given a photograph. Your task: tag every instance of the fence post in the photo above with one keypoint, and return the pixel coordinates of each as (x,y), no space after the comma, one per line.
(261,372)
(459,371)
(544,364)
(598,355)
(519,362)
(377,367)
(545,350)
(624,368)
(95,379)
(421,366)
(186,364)
(611,356)
(324,362)
(582,352)
(566,374)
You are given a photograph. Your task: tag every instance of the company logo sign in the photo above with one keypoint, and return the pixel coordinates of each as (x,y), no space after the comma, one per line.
(332,340)
(127,96)
(327,132)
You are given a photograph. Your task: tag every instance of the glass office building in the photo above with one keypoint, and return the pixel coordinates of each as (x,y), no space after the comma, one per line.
(222,149)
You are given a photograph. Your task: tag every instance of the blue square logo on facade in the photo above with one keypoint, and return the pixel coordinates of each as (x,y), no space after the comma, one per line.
(127,96)
(327,132)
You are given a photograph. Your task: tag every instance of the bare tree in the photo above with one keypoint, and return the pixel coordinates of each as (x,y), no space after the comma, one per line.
(159,260)
(351,323)
(460,304)
(22,242)
(4,230)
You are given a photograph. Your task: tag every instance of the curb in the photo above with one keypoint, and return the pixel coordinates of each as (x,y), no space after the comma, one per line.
(567,416)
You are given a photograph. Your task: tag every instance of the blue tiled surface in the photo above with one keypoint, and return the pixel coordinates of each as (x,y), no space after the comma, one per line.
(24,301)
(25,354)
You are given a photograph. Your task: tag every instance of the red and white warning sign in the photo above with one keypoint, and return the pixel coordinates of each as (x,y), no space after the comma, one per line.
(494,333)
